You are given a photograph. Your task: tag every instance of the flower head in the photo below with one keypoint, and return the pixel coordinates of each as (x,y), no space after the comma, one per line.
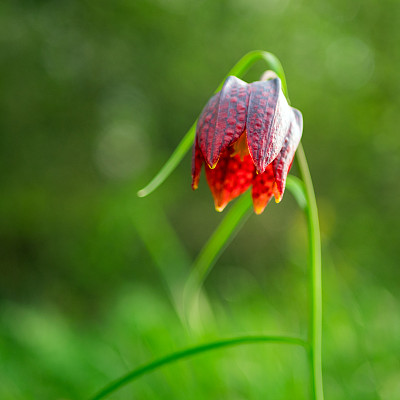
(246,135)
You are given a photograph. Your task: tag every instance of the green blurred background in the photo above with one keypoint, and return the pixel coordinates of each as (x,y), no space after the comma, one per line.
(94,96)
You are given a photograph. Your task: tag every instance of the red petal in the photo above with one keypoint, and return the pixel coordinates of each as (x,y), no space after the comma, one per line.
(205,129)
(230,122)
(232,115)
(230,178)
(263,189)
(268,121)
(283,162)
(197,162)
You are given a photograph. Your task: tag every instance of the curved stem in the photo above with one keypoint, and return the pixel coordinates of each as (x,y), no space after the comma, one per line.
(173,161)
(191,351)
(241,67)
(315,329)
(244,64)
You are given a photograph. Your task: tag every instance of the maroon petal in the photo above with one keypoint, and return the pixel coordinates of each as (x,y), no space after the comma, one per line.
(282,163)
(205,129)
(197,162)
(230,122)
(268,121)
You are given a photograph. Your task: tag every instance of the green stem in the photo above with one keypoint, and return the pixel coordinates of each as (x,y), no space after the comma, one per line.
(241,67)
(244,64)
(315,329)
(191,351)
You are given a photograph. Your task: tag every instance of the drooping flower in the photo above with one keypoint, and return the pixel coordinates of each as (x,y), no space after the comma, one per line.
(247,134)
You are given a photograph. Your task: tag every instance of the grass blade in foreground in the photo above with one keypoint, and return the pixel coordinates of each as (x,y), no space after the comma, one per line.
(191,351)
(225,232)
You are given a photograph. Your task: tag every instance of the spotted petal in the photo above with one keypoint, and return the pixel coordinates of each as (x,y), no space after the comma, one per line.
(263,189)
(268,121)
(283,161)
(223,119)
(205,129)
(230,178)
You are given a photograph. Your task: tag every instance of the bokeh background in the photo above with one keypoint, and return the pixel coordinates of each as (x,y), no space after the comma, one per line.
(94,96)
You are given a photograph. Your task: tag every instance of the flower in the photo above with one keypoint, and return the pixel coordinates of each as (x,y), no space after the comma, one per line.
(246,135)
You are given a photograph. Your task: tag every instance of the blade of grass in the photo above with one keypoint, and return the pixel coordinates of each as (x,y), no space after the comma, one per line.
(173,161)
(225,232)
(191,351)
(222,236)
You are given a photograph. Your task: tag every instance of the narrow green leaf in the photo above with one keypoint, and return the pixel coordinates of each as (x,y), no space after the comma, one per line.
(176,157)
(191,351)
(225,232)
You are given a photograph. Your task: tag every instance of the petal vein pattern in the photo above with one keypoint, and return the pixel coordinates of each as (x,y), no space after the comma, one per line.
(205,130)
(230,120)
(247,134)
(268,120)
(283,162)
